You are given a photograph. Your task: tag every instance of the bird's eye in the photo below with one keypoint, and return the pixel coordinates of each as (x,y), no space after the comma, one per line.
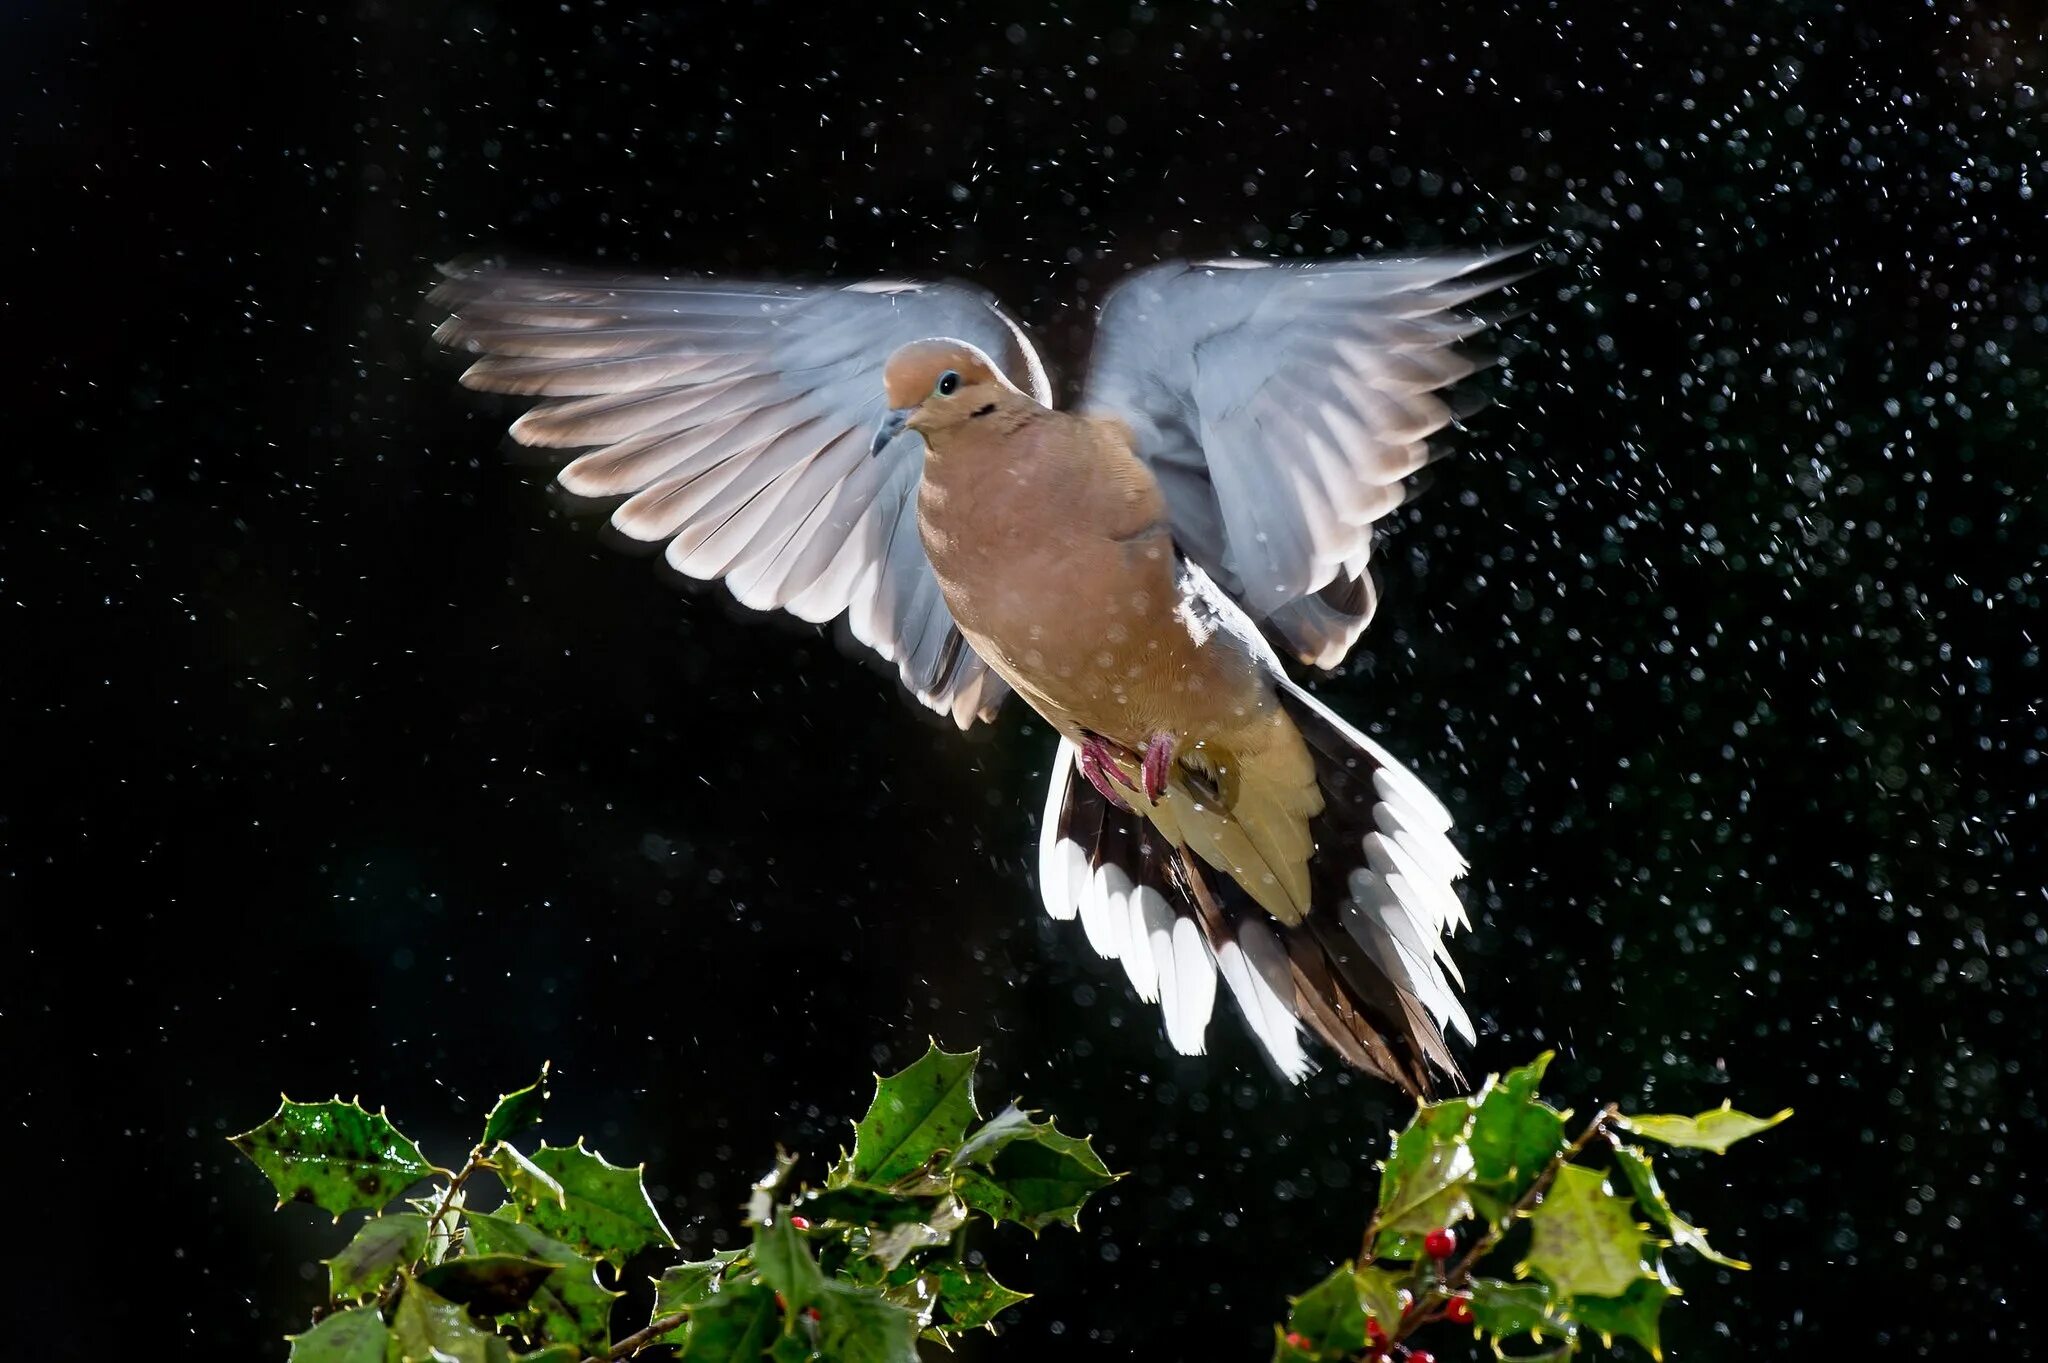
(948,381)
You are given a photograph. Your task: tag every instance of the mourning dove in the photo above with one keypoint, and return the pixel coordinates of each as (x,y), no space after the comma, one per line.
(888,451)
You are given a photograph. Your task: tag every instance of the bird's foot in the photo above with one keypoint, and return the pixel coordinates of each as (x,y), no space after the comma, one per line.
(1098,764)
(1158,764)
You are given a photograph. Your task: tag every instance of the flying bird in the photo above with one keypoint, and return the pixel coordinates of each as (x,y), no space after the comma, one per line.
(889,451)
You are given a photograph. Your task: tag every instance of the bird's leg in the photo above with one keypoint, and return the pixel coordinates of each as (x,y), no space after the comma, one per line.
(1158,764)
(1098,764)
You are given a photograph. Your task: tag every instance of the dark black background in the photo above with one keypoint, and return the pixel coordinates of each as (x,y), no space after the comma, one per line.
(343,755)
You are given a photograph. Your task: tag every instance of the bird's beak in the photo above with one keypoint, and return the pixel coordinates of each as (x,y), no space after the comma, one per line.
(891,427)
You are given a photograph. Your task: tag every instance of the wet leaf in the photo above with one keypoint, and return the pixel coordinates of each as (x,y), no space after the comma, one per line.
(1585,1240)
(916,1114)
(428,1328)
(488,1284)
(1330,1316)
(1514,1135)
(1038,1176)
(736,1326)
(861,1206)
(1632,1315)
(1713,1130)
(685,1287)
(856,1325)
(526,1183)
(1427,1180)
(357,1335)
(971,1297)
(1642,1179)
(1380,1291)
(334,1155)
(570,1306)
(784,1261)
(516,1111)
(604,1209)
(379,1249)
(1509,1309)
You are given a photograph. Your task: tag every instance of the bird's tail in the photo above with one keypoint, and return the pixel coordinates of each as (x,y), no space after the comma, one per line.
(1366,970)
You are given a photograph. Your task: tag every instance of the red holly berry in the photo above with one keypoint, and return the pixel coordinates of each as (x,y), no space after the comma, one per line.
(1458,1311)
(811,1313)
(1421,1356)
(801,1223)
(780,1304)
(1373,1331)
(1299,1341)
(1440,1243)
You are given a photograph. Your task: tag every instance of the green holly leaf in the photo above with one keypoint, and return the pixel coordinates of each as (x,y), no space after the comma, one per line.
(784,1262)
(1505,1310)
(916,1114)
(526,1183)
(603,1208)
(791,1349)
(489,1284)
(1427,1180)
(1380,1290)
(1713,1130)
(1330,1315)
(514,1112)
(856,1325)
(357,1335)
(970,1297)
(736,1326)
(553,1353)
(1039,1176)
(682,1288)
(570,1306)
(380,1248)
(1633,1314)
(992,1135)
(1585,1240)
(860,1206)
(428,1328)
(1642,1179)
(333,1155)
(1514,1136)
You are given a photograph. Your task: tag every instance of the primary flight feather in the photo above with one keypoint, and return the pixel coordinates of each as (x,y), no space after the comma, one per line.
(888,451)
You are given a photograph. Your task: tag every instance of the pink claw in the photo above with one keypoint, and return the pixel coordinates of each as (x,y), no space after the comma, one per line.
(1099,766)
(1158,765)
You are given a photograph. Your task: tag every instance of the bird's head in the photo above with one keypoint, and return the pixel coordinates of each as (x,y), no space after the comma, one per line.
(937,385)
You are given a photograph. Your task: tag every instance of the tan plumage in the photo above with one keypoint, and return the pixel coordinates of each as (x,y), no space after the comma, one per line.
(865,449)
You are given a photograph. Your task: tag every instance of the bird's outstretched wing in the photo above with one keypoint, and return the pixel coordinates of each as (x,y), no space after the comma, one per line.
(1282,407)
(736,419)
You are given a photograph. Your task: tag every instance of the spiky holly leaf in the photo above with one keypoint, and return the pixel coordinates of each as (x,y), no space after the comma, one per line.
(1380,1290)
(736,1326)
(603,1208)
(428,1328)
(489,1284)
(970,1297)
(1713,1130)
(570,1306)
(1633,1314)
(333,1155)
(856,1325)
(682,1288)
(379,1249)
(1037,1176)
(1514,1135)
(1330,1316)
(784,1261)
(1584,1239)
(1505,1310)
(1427,1180)
(1642,1179)
(357,1335)
(916,1114)
(861,1206)
(514,1112)
(526,1182)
